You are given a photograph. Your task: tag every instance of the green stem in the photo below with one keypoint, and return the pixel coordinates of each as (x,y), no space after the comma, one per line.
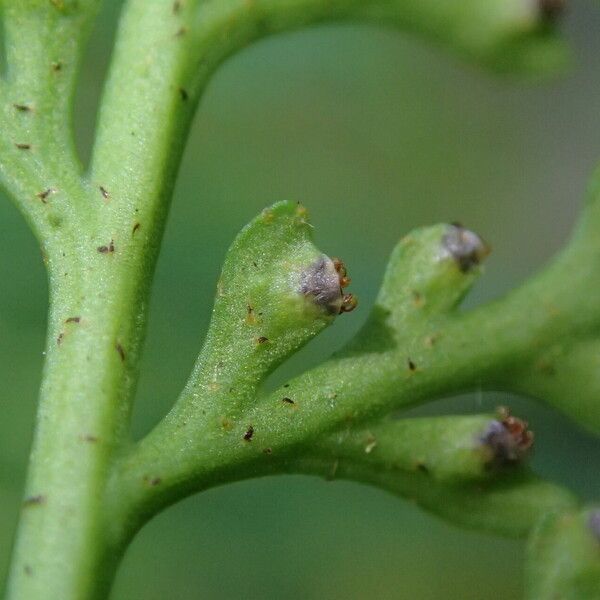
(372,377)
(102,234)
(95,329)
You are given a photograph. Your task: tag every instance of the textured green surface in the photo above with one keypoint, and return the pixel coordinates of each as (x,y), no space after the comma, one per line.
(132,171)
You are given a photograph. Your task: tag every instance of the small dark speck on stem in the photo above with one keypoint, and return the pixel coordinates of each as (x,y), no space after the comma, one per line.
(411,365)
(136,228)
(23,146)
(288,400)
(43,196)
(262,339)
(60,338)
(184,95)
(34,500)
(73,320)
(417,299)
(249,433)
(153,481)
(104,192)
(24,108)
(250,316)
(91,439)
(430,340)
(107,249)
(120,351)
(57,66)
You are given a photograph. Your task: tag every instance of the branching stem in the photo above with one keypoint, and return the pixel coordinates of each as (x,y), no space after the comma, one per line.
(90,487)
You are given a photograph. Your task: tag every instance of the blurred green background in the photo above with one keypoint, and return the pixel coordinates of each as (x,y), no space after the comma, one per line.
(376,133)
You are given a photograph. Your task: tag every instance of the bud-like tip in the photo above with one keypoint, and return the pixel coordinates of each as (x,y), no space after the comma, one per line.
(508,438)
(323,281)
(464,246)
